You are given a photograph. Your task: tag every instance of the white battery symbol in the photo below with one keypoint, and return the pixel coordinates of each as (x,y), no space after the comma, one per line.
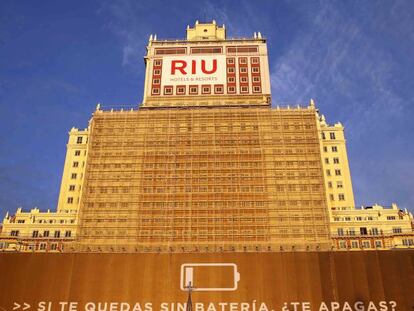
(209,276)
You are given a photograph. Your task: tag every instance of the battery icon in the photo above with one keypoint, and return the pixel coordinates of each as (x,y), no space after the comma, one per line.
(209,277)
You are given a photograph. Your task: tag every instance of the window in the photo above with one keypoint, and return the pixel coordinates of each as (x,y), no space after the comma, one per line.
(256,79)
(14,233)
(231,79)
(390,217)
(71,187)
(358,218)
(331,197)
(342,244)
(57,234)
(338,172)
(79,140)
(218,89)
(75,164)
(155,81)
(340,231)
(42,246)
(68,234)
(194,89)
(206,89)
(336,160)
(157,72)
(243,60)
(334,149)
(351,231)
(157,62)
(53,246)
(325,149)
(339,184)
(354,244)
(243,69)
(244,89)
(243,79)
(347,218)
(77,153)
(363,231)
(230,70)
(396,230)
(329,184)
(231,89)
(70,200)
(408,242)
(35,234)
(323,135)
(46,233)
(73,176)
(326,160)
(230,60)
(328,172)
(168,90)
(155,91)
(332,135)
(366,244)
(341,197)
(254,60)
(255,69)
(374,231)
(257,89)
(180,90)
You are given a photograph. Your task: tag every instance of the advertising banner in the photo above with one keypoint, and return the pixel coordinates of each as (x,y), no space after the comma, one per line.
(193,70)
(300,281)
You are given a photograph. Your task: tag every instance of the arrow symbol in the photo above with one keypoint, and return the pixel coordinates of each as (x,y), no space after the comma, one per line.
(25,306)
(16,306)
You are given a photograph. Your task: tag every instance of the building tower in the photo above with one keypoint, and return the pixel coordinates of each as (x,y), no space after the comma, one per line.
(205,164)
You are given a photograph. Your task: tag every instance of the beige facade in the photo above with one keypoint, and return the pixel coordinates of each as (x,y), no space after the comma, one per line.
(335,163)
(372,227)
(205,164)
(35,230)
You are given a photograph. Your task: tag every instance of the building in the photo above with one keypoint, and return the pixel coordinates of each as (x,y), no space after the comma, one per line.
(372,227)
(205,164)
(35,230)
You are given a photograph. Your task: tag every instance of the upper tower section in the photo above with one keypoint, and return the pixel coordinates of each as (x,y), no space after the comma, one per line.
(207,69)
(208,31)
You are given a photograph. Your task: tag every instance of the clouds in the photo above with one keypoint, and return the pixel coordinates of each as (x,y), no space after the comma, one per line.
(355,74)
(354,58)
(123,20)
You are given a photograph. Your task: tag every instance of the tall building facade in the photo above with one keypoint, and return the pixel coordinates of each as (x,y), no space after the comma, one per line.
(205,164)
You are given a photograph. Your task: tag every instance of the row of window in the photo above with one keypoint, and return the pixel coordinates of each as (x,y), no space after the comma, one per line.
(331,135)
(365,231)
(341,197)
(333,148)
(360,218)
(230,61)
(362,244)
(205,89)
(339,184)
(337,172)
(335,161)
(46,233)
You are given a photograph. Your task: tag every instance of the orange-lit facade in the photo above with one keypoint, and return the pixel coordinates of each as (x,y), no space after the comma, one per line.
(205,164)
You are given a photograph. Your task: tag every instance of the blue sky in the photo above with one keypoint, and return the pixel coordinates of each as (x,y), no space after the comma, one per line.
(58,59)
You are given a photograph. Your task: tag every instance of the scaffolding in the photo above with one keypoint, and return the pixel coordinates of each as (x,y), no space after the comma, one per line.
(203,179)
